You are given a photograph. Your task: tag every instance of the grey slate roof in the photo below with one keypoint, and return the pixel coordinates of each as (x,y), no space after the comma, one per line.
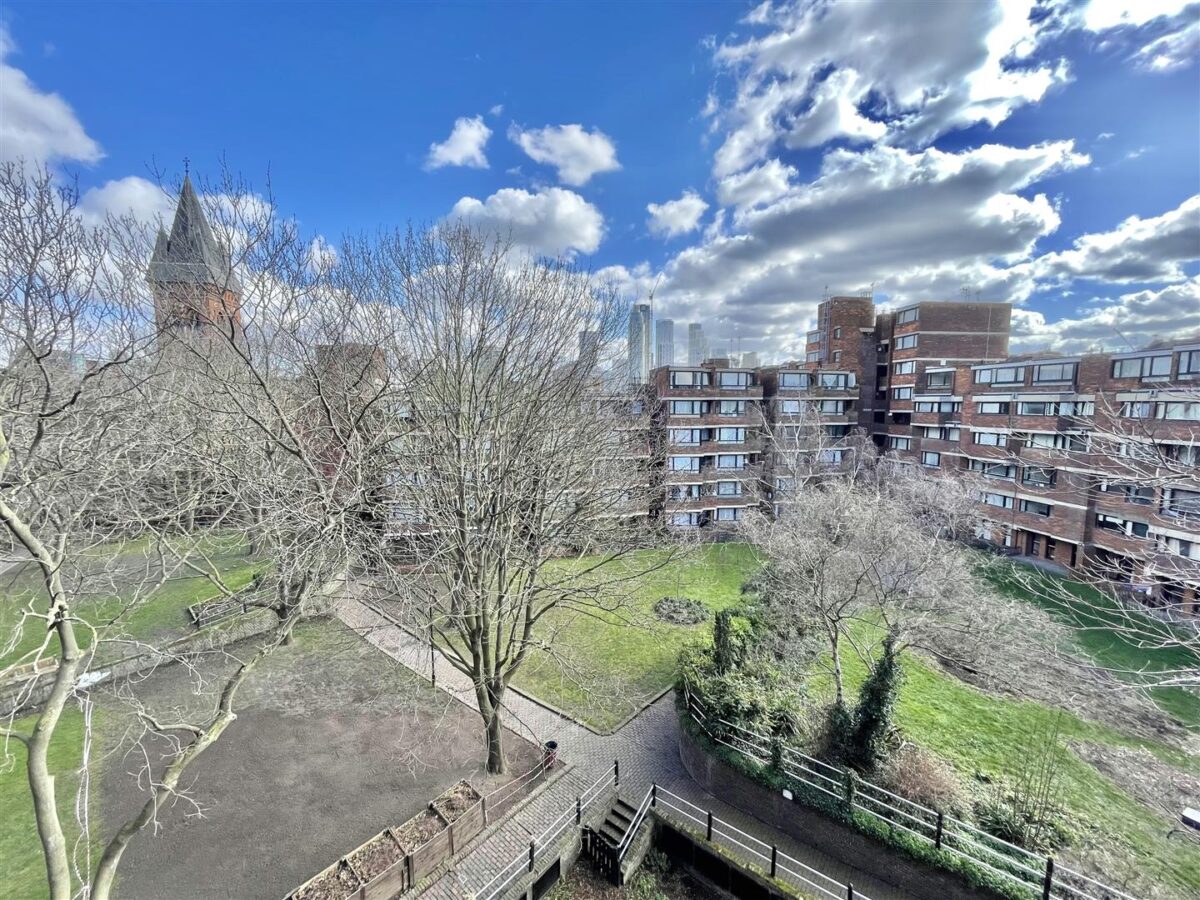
(190,254)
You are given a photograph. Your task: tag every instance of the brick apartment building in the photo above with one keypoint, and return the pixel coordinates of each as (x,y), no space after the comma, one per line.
(1054,439)
(708,428)
(1088,461)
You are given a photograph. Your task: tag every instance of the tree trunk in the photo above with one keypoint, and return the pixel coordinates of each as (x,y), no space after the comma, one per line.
(834,652)
(495,744)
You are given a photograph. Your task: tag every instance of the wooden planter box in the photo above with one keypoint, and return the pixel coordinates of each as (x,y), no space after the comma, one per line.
(337,882)
(463,807)
(424,858)
(381,883)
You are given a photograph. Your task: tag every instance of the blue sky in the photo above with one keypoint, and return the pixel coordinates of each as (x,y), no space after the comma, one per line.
(736,159)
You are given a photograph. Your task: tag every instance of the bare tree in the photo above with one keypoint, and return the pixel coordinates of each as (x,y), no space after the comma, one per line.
(512,452)
(1143,450)
(849,551)
(165,416)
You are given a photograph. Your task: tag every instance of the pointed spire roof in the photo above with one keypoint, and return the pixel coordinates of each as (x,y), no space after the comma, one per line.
(190,254)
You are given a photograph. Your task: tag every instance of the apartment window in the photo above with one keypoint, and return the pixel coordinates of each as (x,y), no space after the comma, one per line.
(906,342)
(899,443)
(992,408)
(685,519)
(1034,508)
(831,457)
(938,406)
(1000,375)
(793,379)
(812,356)
(992,470)
(814,337)
(902,393)
(684,492)
(1187,454)
(728,513)
(1054,372)
(836,380)
(1182,504)
(686,407)
(685,464)
(733,380)
(1124,526)
(837,357)
(938,379)
(990,438)
(935,433)
(904,368)
(832,407)
(1139,409)
(729,488)
(998,500)
(908,315)
(731,461)
(1189,363)
(789,407)
(731,435)
(837,331)
(932,460)
(1037,477)
(1066,441)
(731,407)
(689,379)
(1184,412)
(837,431)
(1056,408)
(1142,367)
(686,436)
(1129,493)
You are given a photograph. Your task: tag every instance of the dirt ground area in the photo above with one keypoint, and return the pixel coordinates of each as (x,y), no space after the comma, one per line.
(657,879)
(333,742)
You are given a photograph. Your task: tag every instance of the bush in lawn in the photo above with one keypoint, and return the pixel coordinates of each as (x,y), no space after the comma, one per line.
(680,610)
(922,777)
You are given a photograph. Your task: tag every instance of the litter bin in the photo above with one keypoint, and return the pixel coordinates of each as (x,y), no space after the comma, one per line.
(549,754)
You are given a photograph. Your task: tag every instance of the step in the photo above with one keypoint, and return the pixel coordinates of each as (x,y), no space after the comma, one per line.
(612,834)
(622,815)
(622,805)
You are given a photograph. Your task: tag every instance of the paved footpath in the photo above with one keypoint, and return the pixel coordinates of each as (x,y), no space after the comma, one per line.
(647,748)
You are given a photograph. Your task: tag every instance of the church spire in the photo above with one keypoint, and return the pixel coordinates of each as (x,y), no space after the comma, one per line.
(190,254)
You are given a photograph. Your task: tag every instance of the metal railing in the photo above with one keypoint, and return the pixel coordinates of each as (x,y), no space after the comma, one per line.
(775,863)
(526,862)
(1040,875)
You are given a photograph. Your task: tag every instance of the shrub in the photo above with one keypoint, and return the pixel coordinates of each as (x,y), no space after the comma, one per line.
(680,610)
(876,707)
(922,777)
(1001,814)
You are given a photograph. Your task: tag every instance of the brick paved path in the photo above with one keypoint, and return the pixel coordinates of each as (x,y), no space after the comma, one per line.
(647,748)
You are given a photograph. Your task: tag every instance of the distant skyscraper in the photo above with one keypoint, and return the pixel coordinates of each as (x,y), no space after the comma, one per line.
(664,344)
(639,343)
(589,345)
(750,360)
(697,344)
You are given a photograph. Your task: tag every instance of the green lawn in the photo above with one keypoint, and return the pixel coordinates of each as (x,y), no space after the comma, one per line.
(621,665)
(982,733)
(24,867)
(1096,611)
(160,615)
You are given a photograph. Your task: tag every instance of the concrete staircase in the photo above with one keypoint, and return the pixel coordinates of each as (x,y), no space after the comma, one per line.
(616,823)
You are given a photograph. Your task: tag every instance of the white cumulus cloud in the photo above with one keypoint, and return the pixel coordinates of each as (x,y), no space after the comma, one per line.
(1138,249)
(577,154)
(37,126)
(676,217)
(464,147)
(550,222)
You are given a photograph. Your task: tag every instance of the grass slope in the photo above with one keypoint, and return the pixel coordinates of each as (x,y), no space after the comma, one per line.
(1097,613)
(982,733)
(621,665)
(21,857)
(160,615)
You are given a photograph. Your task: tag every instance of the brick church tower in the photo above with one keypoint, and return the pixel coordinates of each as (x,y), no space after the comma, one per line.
(196,293)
